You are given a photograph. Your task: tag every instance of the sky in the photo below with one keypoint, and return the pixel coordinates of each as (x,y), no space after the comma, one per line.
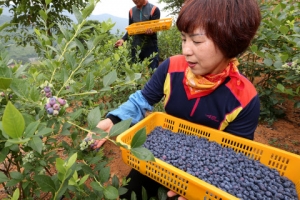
(120,8)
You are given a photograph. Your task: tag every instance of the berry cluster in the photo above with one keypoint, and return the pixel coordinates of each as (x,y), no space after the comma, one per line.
(222,167)
(54,105)
(46,89)
(28,158)
(86,143)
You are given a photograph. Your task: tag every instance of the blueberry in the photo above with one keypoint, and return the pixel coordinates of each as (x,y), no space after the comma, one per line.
(47,89)
(50,111)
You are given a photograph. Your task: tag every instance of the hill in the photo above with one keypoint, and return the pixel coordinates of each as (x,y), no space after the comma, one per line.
(120,23)
(25,54)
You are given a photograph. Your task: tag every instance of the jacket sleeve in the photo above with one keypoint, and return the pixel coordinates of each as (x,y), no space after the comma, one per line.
(135,108)
(141,101)
(156,14)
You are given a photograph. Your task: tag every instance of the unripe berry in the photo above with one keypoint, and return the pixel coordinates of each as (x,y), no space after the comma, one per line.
(55,112)
(47,89)
(61,101)
(56,106)
(50,111)
(2,94)
(52,101)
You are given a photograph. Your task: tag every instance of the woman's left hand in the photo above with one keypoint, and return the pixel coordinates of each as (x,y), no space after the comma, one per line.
(173,194)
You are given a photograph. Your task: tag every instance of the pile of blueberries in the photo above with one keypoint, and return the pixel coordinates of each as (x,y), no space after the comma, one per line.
(222,167)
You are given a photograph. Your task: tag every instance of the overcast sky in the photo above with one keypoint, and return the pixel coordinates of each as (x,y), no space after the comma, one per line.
(120,8)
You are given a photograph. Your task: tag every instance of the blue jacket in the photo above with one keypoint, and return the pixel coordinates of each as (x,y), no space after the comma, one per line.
(227,108)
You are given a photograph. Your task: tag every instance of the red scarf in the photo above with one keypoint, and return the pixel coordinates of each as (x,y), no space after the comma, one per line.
(198,86)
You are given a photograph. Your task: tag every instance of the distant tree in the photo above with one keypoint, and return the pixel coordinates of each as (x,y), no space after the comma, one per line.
(26,14)
(172,5)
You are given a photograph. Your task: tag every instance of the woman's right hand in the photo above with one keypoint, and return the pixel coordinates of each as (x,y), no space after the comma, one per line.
(119,43)
(105,125)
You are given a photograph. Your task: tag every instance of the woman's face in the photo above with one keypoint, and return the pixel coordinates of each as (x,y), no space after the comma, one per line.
(202,55)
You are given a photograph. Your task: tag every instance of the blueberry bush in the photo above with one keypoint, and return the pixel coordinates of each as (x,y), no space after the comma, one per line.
(50,106)
(272,61)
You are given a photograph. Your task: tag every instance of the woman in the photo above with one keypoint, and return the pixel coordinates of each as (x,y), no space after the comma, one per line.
(203,85)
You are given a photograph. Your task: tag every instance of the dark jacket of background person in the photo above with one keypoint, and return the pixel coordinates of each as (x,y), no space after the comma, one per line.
(147,42)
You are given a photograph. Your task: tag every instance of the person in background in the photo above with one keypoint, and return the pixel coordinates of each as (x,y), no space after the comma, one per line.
(203,85)
(143,11)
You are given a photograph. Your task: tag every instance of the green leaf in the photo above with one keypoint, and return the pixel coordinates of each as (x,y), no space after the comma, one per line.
(16,175)
(70,60)
(18,140)
(104,174)
(71,161)
(90,81)
(88,10)
(278,64)
(43,15)
(139,138)
(268,62)
(297,104)
(45,182)
(110,78)
(80,46)
(3,153)
(77,14)
(96,187)
(277,9)
(63,31)
(122,190)
(280,87)
(144,194)
(162,193)
(16,194)
(94,117)
(142,153)
(20,87)
(36,144)
(31,128)
(44,131)
(59,165)
(105,89)
(48,1)
(111,192)
(284,30)
(120,127)
(253,48)
(115,181)
(117,57)
(83,179)
(76,114)
(13,121)
(5,83)
(3,178)
(21,70)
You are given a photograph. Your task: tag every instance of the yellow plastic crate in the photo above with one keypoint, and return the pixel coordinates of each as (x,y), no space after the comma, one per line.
(155,25)
(193,188)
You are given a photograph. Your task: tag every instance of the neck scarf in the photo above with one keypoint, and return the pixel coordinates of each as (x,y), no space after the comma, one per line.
(197,86)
